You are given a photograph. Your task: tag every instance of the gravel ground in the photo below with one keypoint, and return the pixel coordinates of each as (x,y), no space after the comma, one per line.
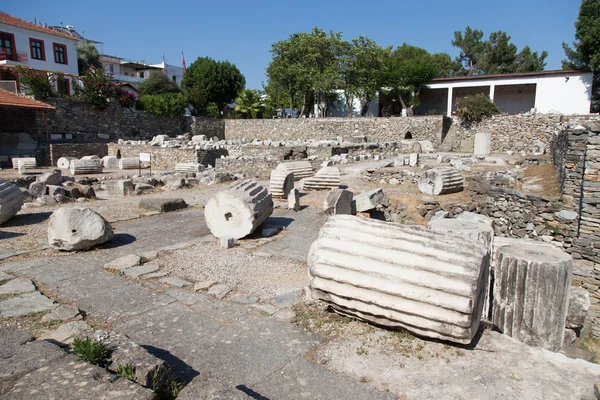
(247,271)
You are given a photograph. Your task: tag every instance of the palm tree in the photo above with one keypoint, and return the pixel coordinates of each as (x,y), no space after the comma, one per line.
(248,103)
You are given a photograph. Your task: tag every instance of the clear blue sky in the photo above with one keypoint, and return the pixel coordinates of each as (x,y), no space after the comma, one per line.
(242,32)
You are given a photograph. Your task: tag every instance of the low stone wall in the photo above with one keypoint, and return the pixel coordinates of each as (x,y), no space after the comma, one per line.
(376,129)
(210,127)
(250,168)
(77,150)
(163,159)
(115,121)
(515,132)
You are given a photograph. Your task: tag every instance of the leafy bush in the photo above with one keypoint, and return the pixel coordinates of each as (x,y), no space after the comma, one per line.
(91,351)
(124,98)
(475,108)
(157,83)
(163,104)
(98,86)
(212,111)
(37,82)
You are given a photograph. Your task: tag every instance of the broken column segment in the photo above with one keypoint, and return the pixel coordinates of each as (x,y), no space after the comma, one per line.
(11,200)
(129,163)
(238,210)
(368,200)
(325,178)
(441,181)
(338,201)
(81,167)
(531,292)
(27,162)
(64,162)
(111,162)
(190,167)
(281,183)
(483,144)
(400,276)
(473,230)
(300,169)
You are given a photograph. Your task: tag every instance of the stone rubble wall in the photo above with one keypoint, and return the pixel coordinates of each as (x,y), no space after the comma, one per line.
(76,150)
(515,132)
(259,169)
(163,159)
(576,155)
(375,129)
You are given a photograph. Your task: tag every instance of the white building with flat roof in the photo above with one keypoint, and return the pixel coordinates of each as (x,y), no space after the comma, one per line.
(560,92)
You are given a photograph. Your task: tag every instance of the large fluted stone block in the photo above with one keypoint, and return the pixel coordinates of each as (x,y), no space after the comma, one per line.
(483,144)
(129,163)
(300,169)
(368,200)
(473,230)
(326,178)
(11,200)
(238,210)
(189,167)
(88,166)
(401,276)
(531,292)
(111,162)
(94,157)
(77,228)
(281,183)
(27,162)
(438,181)
(65,162)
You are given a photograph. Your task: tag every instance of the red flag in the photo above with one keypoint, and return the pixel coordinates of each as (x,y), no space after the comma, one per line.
(183,62)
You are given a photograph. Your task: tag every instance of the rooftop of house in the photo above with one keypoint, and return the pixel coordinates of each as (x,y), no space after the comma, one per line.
(561,72)
(8,99)
(10,20)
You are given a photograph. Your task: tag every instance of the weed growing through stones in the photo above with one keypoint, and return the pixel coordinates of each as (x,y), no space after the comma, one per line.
(91,351)
(361,350)
(515,377)
(126,371)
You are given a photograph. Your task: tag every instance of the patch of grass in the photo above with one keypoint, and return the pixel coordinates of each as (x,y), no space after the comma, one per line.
(318,318)
(39,325)
(553,228)
(361,351)
(165,385)
(591,344)
(91,351)
(126,371)
(515,377)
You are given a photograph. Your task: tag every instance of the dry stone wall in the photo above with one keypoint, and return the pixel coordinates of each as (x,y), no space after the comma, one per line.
(162,158)
(375,129)
(515,132)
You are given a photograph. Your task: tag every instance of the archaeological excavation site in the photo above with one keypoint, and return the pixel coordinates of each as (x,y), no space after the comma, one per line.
(419,257)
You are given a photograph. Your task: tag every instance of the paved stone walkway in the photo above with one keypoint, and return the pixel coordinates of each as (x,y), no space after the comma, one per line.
(221,349)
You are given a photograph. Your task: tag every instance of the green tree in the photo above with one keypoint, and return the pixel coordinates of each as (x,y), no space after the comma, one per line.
(306,65)
(499,55)
(166,104)
(471,49)
(37,82)
(527,61)
(97,88)
(445,66)
(408,69)
(248,104)
(157,83)
(585,53)
(275,100)
(362,70)
(87,56)
(209,81)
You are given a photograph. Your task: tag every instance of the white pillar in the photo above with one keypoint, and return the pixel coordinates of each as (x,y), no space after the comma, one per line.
(449,107)
(492,90)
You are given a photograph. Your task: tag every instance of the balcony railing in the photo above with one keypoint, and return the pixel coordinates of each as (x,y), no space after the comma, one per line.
(17,56)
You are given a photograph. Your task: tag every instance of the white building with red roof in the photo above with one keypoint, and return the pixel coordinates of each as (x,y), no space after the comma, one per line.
(35,46)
